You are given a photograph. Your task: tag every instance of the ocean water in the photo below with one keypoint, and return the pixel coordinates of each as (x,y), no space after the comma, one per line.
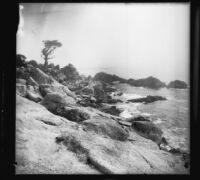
(172,115)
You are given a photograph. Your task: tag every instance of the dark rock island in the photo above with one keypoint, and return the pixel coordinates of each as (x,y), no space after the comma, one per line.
(177,84)
(147,99)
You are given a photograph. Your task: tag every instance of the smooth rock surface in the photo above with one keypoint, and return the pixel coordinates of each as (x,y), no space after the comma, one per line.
(56,88)
(49,144)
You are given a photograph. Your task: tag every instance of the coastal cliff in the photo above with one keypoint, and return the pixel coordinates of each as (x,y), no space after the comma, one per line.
(74,128)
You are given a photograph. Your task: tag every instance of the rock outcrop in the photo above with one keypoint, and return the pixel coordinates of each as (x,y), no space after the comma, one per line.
(150,82)
(111,110)
(50,144)
(108,78)
(177,84)
(54,101)
(63,132)
(33,94)
(75,114)
(147,99)
(56,88)
(40,77)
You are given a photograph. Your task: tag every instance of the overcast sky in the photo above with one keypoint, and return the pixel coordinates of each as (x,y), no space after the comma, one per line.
(129,40)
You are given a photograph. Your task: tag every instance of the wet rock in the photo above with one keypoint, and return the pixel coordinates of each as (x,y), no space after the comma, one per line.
(148,130)
(147,99)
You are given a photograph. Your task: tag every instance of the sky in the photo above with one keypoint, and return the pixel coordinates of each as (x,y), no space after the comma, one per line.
(130,40)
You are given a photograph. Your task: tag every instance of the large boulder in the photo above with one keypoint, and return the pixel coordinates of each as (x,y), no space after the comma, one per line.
(55,101)
(33,93)
(73,113)
(40,77)
(63,105)
(148,130)
(33,96)
(57,88)
(21,81)
(21,89)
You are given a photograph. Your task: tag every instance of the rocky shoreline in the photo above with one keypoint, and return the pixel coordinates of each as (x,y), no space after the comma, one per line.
(76,129)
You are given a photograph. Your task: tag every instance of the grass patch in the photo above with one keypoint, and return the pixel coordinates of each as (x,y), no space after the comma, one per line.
(74,145)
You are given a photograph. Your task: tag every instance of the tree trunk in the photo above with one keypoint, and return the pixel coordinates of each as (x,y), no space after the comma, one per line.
(46,62)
